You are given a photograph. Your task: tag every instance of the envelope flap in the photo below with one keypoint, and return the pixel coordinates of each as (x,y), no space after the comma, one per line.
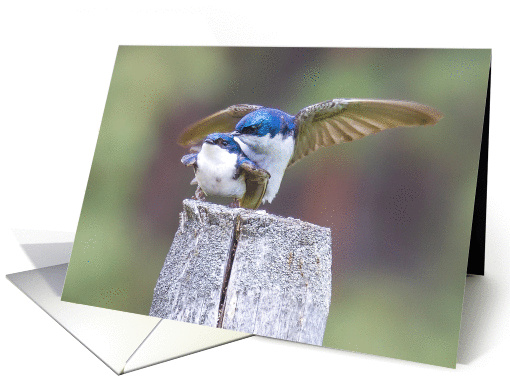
(111,335)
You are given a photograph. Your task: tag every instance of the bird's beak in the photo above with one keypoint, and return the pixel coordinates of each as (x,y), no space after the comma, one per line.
(209,140)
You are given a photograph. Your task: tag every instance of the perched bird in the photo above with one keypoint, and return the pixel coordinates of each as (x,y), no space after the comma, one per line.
(274,140)
(222,169)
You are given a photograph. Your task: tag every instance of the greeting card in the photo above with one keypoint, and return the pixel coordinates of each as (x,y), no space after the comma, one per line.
(317,195)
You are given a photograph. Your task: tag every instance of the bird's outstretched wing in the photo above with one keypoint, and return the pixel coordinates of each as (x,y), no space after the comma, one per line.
(256,184)
(344,120)
(222,121)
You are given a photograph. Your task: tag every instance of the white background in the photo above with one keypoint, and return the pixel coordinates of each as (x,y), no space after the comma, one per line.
(56,61)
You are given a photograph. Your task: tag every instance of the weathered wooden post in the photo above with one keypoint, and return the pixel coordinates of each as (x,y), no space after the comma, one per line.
(248,271)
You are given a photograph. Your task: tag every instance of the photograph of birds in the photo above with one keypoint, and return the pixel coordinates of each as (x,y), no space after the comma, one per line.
(249,162)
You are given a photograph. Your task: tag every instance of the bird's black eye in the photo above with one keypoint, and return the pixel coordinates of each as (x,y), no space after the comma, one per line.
(221,141)
(249,129)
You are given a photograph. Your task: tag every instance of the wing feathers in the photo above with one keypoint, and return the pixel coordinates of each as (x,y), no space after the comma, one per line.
(345,120)
(341,132)
(189,159)
(332,129)
(350,130)
(256,183)
(222,121)
(366,126)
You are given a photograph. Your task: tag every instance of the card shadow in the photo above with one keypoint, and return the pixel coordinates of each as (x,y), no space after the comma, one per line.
(477,309)
(476,257)
(49,254)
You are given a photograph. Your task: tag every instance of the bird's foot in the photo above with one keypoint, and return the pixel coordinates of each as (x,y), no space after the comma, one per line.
(199,195)
(235,203)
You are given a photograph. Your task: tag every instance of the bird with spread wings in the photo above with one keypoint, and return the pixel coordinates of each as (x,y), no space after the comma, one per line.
(320,125)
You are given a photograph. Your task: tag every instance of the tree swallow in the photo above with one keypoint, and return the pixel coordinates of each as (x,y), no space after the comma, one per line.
(222,169)
(274,140)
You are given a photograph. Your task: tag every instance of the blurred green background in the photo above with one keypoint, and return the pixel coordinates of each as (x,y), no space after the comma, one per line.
(399,203)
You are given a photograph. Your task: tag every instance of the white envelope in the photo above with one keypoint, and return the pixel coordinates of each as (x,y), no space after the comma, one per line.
(123,341)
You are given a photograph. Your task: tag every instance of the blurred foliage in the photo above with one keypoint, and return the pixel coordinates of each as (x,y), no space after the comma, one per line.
(399,203)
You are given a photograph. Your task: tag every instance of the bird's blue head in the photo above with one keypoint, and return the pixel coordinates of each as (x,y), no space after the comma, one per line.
(265,121)
(224,141)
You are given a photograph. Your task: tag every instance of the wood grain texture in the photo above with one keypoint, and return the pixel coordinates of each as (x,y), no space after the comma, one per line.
(279,284)
(189,285)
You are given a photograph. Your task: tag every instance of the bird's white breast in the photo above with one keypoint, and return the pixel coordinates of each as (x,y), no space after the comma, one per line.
(215,172)
(272,154)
